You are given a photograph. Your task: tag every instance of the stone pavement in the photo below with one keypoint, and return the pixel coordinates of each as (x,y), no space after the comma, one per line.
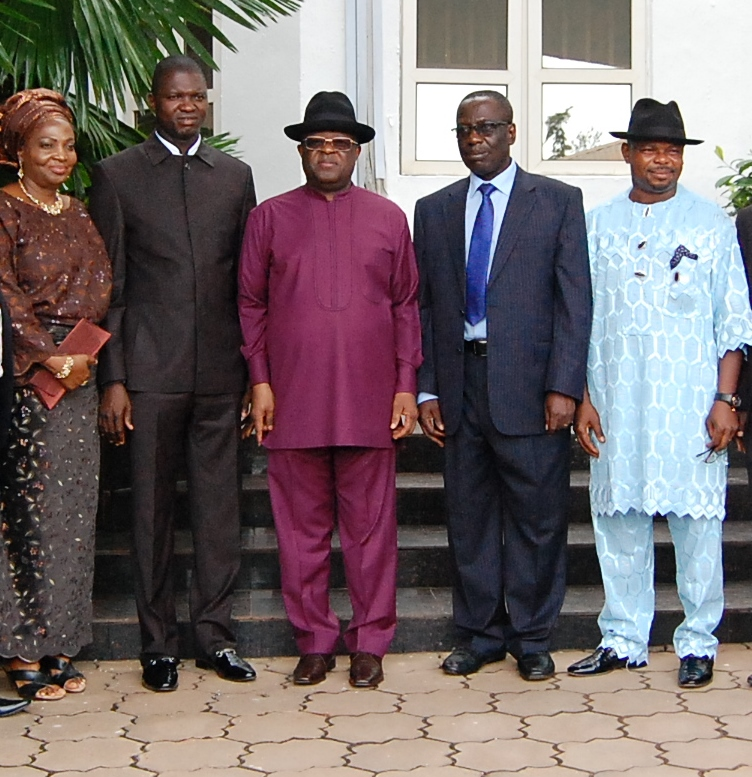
(419,723)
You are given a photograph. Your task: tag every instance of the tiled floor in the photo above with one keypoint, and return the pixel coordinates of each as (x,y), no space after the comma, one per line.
(419,723)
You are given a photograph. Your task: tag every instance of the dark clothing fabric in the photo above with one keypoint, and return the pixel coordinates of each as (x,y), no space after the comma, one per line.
(206,428)
(507,500)
(506,479)
(538,301)
(328,305)
(53,271)
(744,389)
(6,379)
(173,227)
(48,520)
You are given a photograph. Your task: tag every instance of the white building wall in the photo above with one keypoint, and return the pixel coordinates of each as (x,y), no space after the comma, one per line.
(690,58)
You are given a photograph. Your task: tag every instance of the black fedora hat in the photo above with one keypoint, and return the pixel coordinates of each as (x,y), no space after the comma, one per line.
(651,120)
(330,111)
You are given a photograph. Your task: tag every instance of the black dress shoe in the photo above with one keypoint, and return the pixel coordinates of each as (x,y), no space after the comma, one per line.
(160,674)
(312,668)
(465,660)
(600,661)
(228,665)
(536,666)
(365,670)
(695,671)
(12,706)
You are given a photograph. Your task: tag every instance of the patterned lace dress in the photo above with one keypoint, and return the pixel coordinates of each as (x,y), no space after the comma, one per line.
(53,272)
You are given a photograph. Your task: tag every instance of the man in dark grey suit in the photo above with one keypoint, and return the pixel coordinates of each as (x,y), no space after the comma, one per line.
(172,212)
(506,314)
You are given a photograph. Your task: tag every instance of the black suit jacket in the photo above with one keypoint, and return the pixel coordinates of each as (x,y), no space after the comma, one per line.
(173,228)
(744,233)
(539,301)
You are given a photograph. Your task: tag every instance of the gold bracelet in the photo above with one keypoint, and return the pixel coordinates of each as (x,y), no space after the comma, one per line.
(65,370)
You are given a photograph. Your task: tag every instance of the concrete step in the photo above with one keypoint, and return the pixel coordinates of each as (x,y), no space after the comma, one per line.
(424,621)
(424,559)
(420,500)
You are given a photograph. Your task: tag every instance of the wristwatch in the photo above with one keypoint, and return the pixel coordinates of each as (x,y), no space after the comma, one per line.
(732,400)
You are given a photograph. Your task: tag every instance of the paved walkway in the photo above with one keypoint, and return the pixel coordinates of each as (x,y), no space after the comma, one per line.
(419,723)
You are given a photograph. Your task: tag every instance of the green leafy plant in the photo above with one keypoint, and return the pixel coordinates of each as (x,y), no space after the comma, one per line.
(737,185)
(97,52)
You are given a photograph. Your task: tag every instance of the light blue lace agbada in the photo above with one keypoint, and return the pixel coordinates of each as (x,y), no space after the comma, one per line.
(670,299)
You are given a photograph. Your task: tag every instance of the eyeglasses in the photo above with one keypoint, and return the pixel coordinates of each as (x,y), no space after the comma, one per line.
(484,128)
(317,143)
(709,455)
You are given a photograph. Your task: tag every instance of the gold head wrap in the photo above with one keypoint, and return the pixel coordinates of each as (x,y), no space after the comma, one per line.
(21,113)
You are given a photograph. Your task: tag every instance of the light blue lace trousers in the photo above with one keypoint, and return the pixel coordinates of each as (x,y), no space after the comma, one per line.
(624,542)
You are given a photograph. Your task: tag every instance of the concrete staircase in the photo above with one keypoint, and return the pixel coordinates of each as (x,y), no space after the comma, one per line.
(424,596)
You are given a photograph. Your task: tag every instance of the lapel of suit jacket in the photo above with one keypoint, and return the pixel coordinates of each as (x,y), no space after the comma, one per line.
(521,201)
(454,213)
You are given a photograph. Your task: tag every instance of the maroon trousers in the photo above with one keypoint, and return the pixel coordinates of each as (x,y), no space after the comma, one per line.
(311,490)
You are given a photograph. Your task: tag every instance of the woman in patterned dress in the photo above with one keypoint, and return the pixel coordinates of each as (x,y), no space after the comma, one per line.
(53,272)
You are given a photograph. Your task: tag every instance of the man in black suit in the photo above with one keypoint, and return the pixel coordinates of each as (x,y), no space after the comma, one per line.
(172,212)
(506,314)
(744,233)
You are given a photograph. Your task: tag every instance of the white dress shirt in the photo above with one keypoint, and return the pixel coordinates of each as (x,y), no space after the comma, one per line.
(175,151)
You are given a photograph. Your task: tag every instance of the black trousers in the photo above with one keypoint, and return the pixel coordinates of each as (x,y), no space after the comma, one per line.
(204,431)
(507,500)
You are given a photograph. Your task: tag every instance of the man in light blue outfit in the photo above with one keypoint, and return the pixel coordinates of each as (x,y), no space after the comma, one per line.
(671,317)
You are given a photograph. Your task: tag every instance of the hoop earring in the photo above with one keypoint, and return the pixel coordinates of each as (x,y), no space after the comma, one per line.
(20,170)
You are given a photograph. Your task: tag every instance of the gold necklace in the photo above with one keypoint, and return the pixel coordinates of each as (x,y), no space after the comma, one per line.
(53,210)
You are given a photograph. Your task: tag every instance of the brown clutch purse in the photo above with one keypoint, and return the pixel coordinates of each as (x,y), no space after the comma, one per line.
(85,337)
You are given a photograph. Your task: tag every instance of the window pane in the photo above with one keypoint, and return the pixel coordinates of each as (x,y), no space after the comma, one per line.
(587,33)
(462,34)
(436,116)
(577,120)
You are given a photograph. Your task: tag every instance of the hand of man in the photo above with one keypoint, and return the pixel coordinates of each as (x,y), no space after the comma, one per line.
(429,417)
(115,413)
(722,424)
(404,415)
(262,410)
(559,411)
(246,425)
(587,420)
(741,444)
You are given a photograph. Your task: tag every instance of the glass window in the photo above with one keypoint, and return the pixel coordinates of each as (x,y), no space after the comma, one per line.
(436,106)
(577,120)
(462,34)
(587,34)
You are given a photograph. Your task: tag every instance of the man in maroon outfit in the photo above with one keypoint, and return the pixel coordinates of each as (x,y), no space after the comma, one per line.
(328,308)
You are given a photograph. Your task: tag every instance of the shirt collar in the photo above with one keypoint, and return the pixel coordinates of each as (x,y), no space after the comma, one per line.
(503,181)
(174,150)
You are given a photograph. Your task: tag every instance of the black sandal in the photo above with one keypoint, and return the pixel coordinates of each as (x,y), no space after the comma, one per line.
(33,682)
(64,669)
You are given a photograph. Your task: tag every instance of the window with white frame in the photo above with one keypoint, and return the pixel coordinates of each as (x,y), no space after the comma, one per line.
(571,69)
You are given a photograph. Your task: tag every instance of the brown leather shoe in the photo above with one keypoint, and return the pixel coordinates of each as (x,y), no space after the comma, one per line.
(312,668)
(365,670)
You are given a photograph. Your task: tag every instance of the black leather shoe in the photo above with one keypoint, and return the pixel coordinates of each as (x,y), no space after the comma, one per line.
(465,660)
(749,680)
(536,666)
(695,671)
(365,670)
(12,706)
(600,661)
(228,665)
(312,668)
(160,674)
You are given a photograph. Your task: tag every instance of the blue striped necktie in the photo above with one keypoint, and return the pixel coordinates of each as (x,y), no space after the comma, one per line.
(478,257)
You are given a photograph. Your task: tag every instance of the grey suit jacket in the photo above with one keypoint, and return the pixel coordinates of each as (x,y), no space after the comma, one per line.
(539,301)
(173,227)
